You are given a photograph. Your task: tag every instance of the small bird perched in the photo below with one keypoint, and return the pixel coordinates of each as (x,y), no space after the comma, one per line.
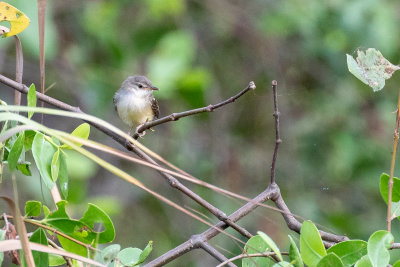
(135,103)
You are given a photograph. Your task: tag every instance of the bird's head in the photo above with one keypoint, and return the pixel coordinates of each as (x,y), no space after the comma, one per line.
(138,84)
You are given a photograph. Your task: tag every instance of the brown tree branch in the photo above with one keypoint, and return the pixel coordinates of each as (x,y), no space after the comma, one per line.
(170,179)
(177,116)
(277,137)
(200,240)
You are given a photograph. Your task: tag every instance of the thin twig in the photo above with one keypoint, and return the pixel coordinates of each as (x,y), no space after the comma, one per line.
(392,165)
(170,179)
(177,116)
(277,137)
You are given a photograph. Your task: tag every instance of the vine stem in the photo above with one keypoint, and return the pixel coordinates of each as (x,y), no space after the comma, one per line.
(390,186)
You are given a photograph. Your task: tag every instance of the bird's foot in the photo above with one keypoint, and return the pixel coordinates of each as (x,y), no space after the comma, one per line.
(142,133)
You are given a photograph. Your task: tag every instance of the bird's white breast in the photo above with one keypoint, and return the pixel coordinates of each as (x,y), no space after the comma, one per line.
(135,109)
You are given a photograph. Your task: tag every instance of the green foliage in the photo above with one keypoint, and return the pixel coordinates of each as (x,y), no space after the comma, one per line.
(349,251)
(256,244)
(271,244)
(31,99)
(378,245)
(371,68)
(82,131)
(43,151)
(311,247)
(41,258)
(33,208)
(15,152)
(294,254)
(331,259)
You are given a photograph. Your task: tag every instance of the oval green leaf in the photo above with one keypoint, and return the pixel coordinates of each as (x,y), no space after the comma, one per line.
(55,165)
(330,260)
(109,253)
(271,244)
(378,245)
(146,252)
(31,99)
(15,152)
(43,153)
(384,184)
(363,262)
(63,175)
(294,254)
(256,244)
(311,246)
(349,251)
(82,131)
(129,256)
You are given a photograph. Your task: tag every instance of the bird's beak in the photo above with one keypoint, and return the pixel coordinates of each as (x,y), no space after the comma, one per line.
(154,88)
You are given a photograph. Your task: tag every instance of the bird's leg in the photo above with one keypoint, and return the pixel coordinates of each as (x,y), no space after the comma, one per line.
(142,133)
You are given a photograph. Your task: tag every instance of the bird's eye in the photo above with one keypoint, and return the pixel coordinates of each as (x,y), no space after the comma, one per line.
(140,86)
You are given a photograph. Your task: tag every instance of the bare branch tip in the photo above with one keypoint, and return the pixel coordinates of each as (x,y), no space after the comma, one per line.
(274,83)
(252,85)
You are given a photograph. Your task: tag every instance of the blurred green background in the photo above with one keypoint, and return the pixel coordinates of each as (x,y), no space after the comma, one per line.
(337,134)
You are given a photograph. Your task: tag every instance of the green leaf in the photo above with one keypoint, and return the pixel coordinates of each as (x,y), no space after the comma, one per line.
(349,251)
(384,184)
(256,244)
(33,208)
(84,229)
(294,254)
(29,135)
(129,256)
(55,165)
(41,258)
(24,168)
(56,260)
(146,252)
(364,262)
(378,245)
(15,152)
(371,68)
(330,260)
(396,264)
(2,236)
(109,253)
(282,264)
(311,246)
(96,215)
(31,99)
(43,153)
(271,244)
(81,131)
(63,175)
(46,211)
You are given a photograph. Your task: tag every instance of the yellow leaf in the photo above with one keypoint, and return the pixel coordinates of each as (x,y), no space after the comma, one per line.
(18,20)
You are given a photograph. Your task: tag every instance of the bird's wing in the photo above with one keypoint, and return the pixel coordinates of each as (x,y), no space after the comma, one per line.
(115,100)
(155,108)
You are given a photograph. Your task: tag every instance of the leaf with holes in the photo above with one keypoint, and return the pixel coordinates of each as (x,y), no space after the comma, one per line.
(371,68)
(18,20)
(32,208)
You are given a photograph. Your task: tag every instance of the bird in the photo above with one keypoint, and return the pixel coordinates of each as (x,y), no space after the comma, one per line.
(135,103)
